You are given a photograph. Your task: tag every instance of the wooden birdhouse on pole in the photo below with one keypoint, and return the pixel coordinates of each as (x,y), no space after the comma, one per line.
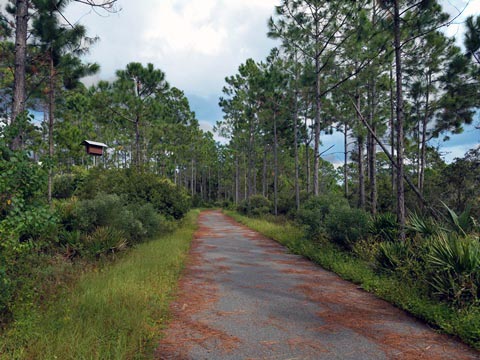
(94,148)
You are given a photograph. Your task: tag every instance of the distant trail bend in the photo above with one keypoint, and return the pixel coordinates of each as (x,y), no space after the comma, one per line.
(244,297)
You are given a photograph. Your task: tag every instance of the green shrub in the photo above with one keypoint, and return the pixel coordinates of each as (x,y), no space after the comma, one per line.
(65,211)
(26,223)
(6,292)
(135,187)
(384,227)
(346,226)
(152,222)
(424,226)
(22,182)
(71,242)
(392,254)
(463,223)
(104,240)
(225,204)
(242,207)
(36,224)
(286,204)
(406,259)
(170,200)
(313,212)
(63,186)
(366,249)
(103,210)
(66,185)
(256,205)
(455,268)
(138,222)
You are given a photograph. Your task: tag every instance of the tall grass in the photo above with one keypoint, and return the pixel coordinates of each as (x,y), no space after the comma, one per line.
(113,313)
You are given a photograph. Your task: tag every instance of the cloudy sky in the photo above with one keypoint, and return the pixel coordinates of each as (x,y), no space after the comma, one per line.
(197,43)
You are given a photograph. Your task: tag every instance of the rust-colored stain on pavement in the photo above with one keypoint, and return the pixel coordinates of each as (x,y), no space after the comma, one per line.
(243,296)
(197,292)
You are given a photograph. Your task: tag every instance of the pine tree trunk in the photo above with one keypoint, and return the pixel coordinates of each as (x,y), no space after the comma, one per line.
(275,164)
(295,139)
(137,142)
(307,164)
(361,169)
(251,160)
(237,179)
(372,166)
(316,144)
(392,128)
(51,120)
(372,172)
(361,175)
(424,137)
(264,172)
(295,145)
(19,90)
(345,170)
(399,125)
(192,179)
(244,178)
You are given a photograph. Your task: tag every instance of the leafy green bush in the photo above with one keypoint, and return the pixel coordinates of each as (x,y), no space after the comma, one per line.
(455,268)
(346,226)
(313,212)
(242,207)
(134,187)
(65,210)
(405,259)
(257,205)
(153,222)
(286,203)
(463,223)
(71,242)
(32,224)
(63,186)
(170,200)
(22,182)
(424,226)
(6,292)
(392,254)
(104,240)
(384,227)
(366,249)
(66,185)
(139,222)
(26,223)
(103,210)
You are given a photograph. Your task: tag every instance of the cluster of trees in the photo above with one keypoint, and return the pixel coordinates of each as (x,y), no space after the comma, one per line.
(55,200)
(147,123)
(382,73)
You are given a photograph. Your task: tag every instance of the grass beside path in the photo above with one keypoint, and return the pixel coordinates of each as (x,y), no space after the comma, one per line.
(462,323)
(114,313)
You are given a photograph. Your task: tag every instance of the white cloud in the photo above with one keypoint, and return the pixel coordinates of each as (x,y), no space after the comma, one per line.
(207,126)
(459,9)
(196,42)
(190,27)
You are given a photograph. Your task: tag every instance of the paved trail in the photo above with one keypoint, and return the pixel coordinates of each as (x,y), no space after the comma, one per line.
(245,297)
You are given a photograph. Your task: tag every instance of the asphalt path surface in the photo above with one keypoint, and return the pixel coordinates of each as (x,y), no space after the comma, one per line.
(243,296)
